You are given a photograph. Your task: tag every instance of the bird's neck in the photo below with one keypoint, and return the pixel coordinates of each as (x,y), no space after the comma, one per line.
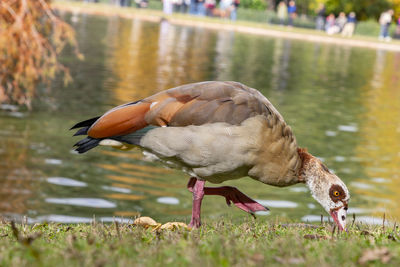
(309,174)
(309,169)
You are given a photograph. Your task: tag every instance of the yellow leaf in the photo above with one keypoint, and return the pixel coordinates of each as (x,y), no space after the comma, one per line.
(173,226)
(145,222)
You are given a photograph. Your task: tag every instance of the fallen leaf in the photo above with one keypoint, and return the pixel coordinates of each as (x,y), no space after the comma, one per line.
(312,237)
(382,254)
(145,222)
(173,226)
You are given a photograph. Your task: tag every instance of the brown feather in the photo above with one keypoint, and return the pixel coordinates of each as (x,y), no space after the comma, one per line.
(187,115)
(224,111)
(206,102)
(162,112)
(120,120)
(195,112)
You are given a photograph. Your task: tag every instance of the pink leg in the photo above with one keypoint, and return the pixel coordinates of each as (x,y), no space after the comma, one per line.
(231,194)
(198,193)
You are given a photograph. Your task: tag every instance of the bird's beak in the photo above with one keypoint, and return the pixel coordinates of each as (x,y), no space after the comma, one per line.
(339,216)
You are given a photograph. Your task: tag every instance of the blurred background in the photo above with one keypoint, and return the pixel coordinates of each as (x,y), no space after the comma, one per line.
(342,102)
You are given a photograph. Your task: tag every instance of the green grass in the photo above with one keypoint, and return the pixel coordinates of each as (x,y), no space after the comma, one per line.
(219,243)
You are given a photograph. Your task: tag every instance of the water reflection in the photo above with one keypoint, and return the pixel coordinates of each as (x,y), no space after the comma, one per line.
(280,64)
(380,138)
(168,200)
(83,202)
(61,219)
(75,219)
(17,179)
(277,203)
(348,128)
(116,189)
(65,181)
(342,103)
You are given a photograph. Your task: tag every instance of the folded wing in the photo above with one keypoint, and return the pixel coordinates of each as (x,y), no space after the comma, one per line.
(191,104)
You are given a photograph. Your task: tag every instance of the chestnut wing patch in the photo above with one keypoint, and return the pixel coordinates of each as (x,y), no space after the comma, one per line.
(120,120)
(202,103)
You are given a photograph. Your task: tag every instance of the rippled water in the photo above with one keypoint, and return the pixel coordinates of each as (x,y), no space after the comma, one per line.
(343,104)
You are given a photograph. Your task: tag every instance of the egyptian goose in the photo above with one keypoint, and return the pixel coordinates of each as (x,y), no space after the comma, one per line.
(217,131)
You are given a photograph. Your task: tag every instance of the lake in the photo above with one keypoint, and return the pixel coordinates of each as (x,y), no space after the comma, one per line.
(343,104)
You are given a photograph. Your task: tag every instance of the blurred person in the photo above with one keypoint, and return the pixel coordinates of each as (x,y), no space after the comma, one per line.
(185,6)
(123,2)
(397,32)
(167,6)
(210,5)
(116,2)
(225,6)
(385,20)
(144,3)
(282,12)
(291,12)
(201,9)
(193,7)
(330,21)
(137,3)
(341,20)
(330,25)
(398,27)
(348,29)
(177,4)
(320,21)
(234,6)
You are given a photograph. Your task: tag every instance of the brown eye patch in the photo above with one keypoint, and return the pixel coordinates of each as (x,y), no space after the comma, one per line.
(336,193)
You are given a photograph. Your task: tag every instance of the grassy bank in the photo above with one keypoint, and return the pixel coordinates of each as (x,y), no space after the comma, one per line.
(222,243)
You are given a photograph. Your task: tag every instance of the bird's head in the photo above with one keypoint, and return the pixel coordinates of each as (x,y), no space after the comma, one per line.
(328,189)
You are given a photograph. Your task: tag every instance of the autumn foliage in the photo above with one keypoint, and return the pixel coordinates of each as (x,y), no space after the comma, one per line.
(31,38)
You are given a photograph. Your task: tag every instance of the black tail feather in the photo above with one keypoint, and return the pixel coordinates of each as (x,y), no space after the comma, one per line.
(82,142)
(86,123)
(86,144)
(82,131)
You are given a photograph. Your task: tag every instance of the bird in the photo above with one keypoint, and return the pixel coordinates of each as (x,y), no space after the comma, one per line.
(217,131)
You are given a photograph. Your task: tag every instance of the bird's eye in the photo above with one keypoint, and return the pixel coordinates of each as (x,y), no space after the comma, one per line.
(336,193)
